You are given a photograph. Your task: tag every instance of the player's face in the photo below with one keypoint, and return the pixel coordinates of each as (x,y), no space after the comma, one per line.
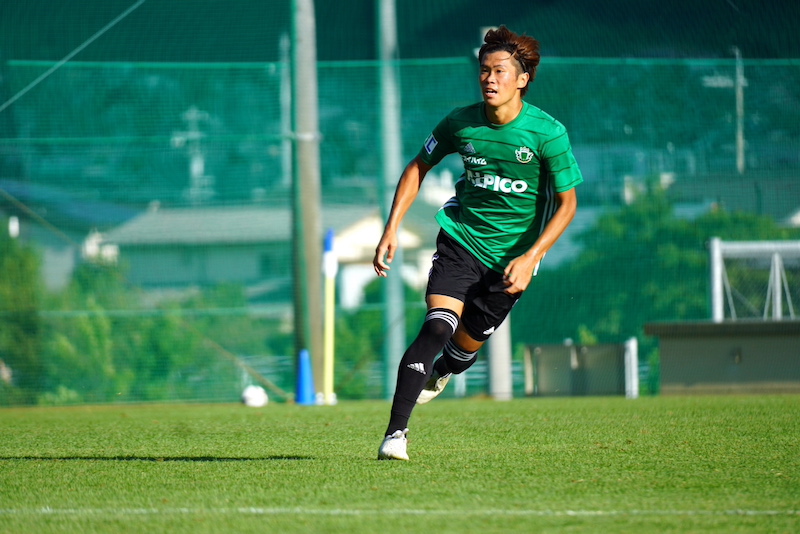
(500,79)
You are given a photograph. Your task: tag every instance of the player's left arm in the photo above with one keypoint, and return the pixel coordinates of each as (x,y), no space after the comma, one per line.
(520,270)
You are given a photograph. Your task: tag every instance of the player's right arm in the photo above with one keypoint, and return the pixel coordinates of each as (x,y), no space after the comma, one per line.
(407,190)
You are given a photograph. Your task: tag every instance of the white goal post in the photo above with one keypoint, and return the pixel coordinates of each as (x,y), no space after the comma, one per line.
(774,251)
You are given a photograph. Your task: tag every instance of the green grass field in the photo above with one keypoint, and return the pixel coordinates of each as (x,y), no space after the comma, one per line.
(662,464)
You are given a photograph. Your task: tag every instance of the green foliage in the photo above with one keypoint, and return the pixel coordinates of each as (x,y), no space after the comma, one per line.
(586,337)
(360,337)
(79,356)
(638,264)
(653,383)
(100,342)
(20,327)
(358,349)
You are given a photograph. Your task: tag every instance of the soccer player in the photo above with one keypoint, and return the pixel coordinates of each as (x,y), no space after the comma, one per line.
(514,200)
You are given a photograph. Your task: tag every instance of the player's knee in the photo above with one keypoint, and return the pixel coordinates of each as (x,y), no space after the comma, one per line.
(440,323)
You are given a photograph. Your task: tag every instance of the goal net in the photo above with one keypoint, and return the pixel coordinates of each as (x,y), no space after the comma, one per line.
(754,279)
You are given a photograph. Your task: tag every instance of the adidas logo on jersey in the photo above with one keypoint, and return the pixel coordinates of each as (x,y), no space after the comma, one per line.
(418,367)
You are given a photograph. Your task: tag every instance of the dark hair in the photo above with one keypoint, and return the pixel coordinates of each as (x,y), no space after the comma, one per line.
(522,48)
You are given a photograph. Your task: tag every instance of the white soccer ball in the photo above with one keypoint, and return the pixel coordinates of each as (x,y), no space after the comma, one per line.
(255,397)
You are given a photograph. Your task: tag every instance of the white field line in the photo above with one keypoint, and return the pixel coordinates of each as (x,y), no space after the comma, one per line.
(109,512)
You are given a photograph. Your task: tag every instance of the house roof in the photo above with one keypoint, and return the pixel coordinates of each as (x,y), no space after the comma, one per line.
(215,225)
(62,208)
(357,242)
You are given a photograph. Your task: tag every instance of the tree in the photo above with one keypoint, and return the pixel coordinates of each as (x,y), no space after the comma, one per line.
(107,345)
(20,327)
(639,264)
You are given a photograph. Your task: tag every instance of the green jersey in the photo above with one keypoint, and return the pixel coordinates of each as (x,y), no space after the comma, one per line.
(512,171)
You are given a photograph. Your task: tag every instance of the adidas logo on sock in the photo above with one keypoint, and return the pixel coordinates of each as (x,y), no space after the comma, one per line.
(418,367)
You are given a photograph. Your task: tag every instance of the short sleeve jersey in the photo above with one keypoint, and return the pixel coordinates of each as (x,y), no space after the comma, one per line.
(506,195)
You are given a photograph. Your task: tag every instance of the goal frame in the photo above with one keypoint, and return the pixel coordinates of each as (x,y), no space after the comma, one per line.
(775,251)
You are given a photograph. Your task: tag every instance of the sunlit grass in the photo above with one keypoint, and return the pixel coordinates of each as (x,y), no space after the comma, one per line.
(694,464)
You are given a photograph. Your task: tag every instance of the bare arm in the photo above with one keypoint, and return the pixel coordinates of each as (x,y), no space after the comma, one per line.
(407,190)
(519,271)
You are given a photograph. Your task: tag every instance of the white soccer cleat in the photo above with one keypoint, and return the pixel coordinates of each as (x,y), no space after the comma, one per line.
(433,387)
(394,446)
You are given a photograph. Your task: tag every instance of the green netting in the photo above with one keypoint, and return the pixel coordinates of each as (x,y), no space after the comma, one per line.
(153,258)
(124,131)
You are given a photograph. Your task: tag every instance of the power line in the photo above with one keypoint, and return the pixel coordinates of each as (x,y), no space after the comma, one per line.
(69,56)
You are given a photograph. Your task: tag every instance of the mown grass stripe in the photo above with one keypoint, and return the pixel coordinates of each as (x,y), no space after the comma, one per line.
(397,512)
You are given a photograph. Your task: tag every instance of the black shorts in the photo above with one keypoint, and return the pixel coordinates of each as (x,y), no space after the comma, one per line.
(457,273)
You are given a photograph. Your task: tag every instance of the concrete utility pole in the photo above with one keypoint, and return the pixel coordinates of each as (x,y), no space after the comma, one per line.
(201,186)
(501,380)
(500,345)
(394,323)
(307,226)
(285,73)
(739,84)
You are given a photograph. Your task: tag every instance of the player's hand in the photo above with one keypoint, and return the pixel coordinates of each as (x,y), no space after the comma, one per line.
(519,271)
(384,254)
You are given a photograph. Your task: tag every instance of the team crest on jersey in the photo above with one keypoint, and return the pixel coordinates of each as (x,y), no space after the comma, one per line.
(524,154)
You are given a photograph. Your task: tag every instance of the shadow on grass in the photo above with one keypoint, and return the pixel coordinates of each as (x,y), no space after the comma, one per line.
(156,458)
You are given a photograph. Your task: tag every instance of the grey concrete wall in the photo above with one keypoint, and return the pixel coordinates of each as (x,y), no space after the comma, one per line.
(729,357)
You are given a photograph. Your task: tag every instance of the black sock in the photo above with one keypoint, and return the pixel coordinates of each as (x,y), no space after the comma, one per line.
(454,360)
(416,366)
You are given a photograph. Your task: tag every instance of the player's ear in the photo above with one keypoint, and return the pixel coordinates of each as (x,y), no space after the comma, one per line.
(523,79)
